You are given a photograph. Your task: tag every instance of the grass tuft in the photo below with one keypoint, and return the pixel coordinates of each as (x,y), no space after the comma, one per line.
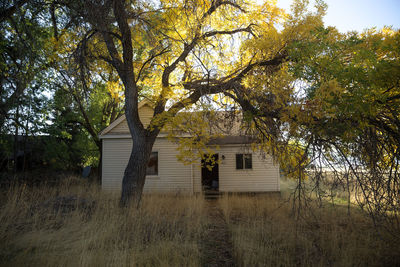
(75,224)
(265,232)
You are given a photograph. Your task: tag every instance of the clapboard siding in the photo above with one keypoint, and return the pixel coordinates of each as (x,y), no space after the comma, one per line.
(172,174)
(175,176)
(263,177)
(197,177)
(145,115)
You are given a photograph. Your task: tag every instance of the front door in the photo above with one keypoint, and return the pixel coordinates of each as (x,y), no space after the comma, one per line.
(209,173)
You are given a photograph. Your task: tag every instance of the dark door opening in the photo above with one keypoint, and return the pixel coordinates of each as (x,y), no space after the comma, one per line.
(209,173)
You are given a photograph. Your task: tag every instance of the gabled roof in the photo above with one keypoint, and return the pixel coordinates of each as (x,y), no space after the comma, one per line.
(113,124)
(122,118)
(226,123)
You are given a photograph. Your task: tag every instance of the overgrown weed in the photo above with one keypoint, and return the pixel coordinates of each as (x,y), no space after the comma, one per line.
(75,224)
(266,232)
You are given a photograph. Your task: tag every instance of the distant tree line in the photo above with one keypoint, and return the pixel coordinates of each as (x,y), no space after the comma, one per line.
(49,117)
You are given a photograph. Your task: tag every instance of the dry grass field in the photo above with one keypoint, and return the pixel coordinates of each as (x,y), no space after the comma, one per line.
(75,224)
(265,233)
(47,227)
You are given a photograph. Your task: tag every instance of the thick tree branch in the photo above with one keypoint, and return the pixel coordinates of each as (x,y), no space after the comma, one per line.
(205,87)
(213,33)
(276,61)
(127,51)
(112,50)
(217,4)
(385,127)
(126,73)
(189,47)
(153,56)
(53,19)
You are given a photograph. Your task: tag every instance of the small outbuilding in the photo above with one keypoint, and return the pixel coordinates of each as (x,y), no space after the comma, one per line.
(237,168)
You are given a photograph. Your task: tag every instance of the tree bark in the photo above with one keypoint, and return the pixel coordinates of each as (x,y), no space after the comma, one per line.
(135,172)
(114,13)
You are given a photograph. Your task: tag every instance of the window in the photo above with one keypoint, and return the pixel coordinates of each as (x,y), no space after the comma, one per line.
(244,161)
(152,166)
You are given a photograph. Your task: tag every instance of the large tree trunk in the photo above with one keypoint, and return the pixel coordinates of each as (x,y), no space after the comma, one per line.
(135,172)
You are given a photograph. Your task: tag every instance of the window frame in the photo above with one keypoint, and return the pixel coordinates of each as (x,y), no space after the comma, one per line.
(242,159)
(156,167)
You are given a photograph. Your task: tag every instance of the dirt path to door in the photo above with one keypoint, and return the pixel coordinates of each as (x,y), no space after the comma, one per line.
(216,245)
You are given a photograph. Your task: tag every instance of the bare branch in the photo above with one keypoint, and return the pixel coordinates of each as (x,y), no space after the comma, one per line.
(163,51)
(213,33)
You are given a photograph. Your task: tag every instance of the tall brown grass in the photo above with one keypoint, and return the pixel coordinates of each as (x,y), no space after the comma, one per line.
(266,232)
(76,224)
(34,231)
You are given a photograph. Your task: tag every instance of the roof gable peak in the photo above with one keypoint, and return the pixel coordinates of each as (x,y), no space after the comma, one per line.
(121,118)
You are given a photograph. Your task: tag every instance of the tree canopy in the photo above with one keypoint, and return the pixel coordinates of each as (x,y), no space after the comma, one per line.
(311,96)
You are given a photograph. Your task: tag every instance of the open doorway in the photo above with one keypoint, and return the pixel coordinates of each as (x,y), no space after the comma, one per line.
(209,173)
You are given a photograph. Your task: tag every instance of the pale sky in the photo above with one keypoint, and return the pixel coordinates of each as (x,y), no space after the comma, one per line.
(347,15)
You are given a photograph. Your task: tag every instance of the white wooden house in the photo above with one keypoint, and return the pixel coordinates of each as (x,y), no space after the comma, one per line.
(238,170)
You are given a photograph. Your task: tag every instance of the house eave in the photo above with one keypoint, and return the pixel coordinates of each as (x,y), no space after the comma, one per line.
(127,135)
